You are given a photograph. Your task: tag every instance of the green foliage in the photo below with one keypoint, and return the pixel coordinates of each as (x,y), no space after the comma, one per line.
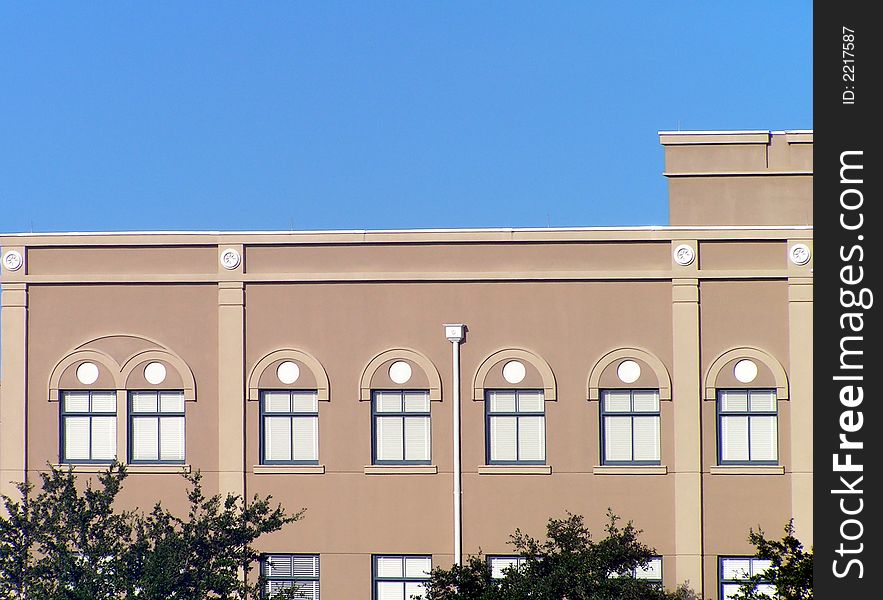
(63,544)
(790,572)
(567,564)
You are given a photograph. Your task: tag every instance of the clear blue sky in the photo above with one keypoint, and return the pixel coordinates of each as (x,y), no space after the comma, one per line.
(369,115)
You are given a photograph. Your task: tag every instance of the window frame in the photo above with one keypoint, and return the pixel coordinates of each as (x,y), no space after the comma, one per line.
(746,413)
(268,578)
(518,415)
(720,573)
(404,579)
(631,414)
(158,414)
(404,415)
(291,415)
(62,414)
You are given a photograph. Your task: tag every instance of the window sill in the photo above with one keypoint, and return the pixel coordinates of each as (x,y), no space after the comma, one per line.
(401,469)
(748,470)
(288,469)
(132,469)
(515,470)
(630,470)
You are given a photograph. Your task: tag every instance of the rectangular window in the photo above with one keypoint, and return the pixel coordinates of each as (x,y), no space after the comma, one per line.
(747,427)
(400,577)
(88,427)
(630,427)
(401,427)
(289,427)
(500,564)
(516,427)
(286,571)
(652,571)
(156,427)
(734,571)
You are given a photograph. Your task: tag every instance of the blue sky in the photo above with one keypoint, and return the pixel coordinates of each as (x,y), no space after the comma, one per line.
(375,115)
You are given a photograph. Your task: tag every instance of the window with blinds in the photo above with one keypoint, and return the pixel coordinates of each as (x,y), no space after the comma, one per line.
(156,427)
(652,571)
(630,427)
(400,577)
(735,571)
(88,427)
(747,427)
(401,427)
(500,565)
(516,427)
(291,571)
(289,427)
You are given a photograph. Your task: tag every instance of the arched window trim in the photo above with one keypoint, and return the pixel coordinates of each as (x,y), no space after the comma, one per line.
(422,361)
(550,389)
(323,386)
(662,376)
(756,354)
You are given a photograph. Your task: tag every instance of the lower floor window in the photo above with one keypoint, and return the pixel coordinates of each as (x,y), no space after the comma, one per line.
(734,571)
(652,571)
(400,577)
(286,571)
(500,565)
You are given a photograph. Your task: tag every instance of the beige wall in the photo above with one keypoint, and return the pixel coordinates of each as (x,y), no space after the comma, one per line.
(567,297)
(739,178)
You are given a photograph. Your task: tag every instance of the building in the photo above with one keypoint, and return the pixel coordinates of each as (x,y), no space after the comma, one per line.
(661,371)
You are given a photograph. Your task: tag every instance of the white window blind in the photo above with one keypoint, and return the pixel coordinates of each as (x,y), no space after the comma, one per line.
(618,438)
(145,438)
(400,577)
(277,438)
(531,438)
(306,438)
(504,435)
(171,438)
(76,438)
(287,571)
(390,438)
(734,438)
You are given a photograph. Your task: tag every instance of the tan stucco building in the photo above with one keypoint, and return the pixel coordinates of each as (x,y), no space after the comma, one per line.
(664,372)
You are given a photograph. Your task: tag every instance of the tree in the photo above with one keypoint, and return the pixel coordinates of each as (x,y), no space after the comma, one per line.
(790,570)
(63,544)
(568,564)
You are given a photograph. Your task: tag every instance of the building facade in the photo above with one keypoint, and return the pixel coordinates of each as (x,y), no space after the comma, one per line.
(664,372)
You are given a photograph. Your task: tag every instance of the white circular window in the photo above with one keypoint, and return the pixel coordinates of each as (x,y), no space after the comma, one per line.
(745,371)
(400,372)
(87,373)
(514,371)
(628,371)
(288,372)
(155,373)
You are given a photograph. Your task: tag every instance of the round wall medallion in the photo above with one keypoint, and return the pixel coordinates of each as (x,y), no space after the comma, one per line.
(288,372)
(230,258)
(155,373)
(514,371)
(400,372)
(799,254)
(684,255)
(87,373)
(628,371)
(13,260)
(745,371)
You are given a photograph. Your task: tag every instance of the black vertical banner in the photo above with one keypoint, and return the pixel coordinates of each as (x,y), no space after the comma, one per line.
(848,424)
